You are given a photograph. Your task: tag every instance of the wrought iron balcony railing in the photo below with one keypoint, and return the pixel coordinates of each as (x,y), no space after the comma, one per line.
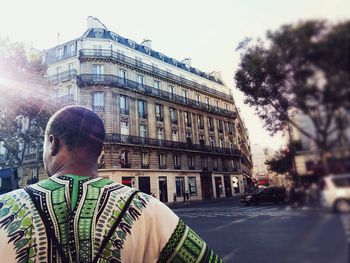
(86,54)
(63,76)
(64,100)
(116,81)
(144,141)
(50,59)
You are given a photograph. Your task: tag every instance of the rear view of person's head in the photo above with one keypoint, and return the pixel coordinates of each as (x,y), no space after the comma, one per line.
(73,131)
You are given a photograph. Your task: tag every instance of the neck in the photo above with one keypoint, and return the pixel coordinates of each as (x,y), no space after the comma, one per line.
(77,167)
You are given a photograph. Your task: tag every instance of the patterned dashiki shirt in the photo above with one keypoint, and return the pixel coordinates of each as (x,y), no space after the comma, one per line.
(73,218)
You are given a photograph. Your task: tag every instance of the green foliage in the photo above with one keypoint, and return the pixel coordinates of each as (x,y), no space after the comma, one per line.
(24,104)
(282,161)
(302,67)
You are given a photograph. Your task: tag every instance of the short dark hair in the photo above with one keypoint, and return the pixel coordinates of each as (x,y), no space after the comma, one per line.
(78,127)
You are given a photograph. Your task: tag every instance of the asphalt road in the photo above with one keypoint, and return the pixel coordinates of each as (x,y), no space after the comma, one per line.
(270,233)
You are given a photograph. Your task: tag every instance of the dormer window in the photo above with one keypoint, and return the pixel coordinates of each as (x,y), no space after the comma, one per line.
(98,33)
(59,52)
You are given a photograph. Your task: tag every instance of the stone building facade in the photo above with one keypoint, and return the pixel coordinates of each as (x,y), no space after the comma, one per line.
(171,129)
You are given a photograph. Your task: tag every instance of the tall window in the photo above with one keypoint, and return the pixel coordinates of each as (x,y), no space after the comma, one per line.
(230,128)
(98,101)
(124,128)
(198,99)
(174,135)
(215,164)
(122,75)
(145,160)
(123,104)
(220,126)
(160,134)
(59,53)
(143,131)
(187,116)
(177,161)
(211,141)
(156,85)
(210,124)
(207,101)
(141,80)
(97,71)
(201,140)
(185,95)
(180,186)
(171,92)
(58,71)
(190,162)
(204,162)
(159,112)
(188,137)
(70,69)
(173,116)
(124,159)
(200,122)
(192,185)
(217,104)
(162,161)
(71,49)
(221,142)
(142,108)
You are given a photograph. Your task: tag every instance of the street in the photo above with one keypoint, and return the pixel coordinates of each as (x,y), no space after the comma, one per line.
(269,233)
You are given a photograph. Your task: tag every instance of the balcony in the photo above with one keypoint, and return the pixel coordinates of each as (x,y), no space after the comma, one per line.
(116,81)
(160,118)
(177,167)
(125,165)
(63,76)
(167,144)
(174,122)
(162,166)
(143,115)
(54,59)
(144,166)
(191,167)
(124,111)
(64,100)
(106,54)
(98,109)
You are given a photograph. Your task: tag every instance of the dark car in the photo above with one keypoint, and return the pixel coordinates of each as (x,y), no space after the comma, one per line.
(265,195)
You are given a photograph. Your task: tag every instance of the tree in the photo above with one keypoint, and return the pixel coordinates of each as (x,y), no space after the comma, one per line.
(302,68)
(281,162)
(24,107)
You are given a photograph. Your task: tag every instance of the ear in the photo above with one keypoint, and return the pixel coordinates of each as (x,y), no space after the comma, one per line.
(54,145)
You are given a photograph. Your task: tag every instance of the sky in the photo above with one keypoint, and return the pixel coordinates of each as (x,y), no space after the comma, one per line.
(206,31)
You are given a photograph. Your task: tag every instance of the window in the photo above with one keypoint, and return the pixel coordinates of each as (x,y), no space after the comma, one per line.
(180,186)
(159,112)
(185,95)
(128,181)
(70,69)
(142,108)
(200,122)
(174,135)
(138,61)
(215,164)
(98,101)
(204,162)
(162,161)
(123,105)
(192,185)
(143,131)
(188,137)
(201,140)
(220,126)
(221,142)
(122,75)
(71,49)
(226,106)
(230,128)
(156,85)
(210,124)
(191,162)
(160,134)
(69,90)
(198,99)
(124,159)
(141,80)
(58,71)
(59,52)
(144,160)
(207,101)
(124,128)
(187,119)
(171,92)
(177,161)
(97,71)
(217,104)
(231,144)
(212,141)
(173,116)
(97,50)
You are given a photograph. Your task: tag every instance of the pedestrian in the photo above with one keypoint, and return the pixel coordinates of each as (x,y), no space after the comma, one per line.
(77,216)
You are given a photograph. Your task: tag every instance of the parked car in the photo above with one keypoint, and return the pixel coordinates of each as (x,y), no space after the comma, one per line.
(335,193)
(265,195)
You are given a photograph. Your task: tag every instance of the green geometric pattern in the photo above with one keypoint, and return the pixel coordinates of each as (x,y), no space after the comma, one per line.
(185,246)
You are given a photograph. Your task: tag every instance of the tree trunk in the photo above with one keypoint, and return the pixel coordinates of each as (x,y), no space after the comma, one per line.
(324,159)
(14,183)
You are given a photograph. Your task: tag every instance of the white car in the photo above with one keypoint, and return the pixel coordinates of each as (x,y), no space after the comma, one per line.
(335,193)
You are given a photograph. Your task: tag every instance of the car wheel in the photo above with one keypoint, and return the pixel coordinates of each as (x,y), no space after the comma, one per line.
(342,206)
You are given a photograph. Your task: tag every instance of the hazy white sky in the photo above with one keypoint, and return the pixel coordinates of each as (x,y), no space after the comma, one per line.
(206,31)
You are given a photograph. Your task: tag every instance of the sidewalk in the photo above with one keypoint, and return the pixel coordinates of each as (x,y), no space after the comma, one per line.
(202,202)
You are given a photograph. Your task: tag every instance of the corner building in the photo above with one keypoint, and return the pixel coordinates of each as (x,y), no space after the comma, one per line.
(170,128)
